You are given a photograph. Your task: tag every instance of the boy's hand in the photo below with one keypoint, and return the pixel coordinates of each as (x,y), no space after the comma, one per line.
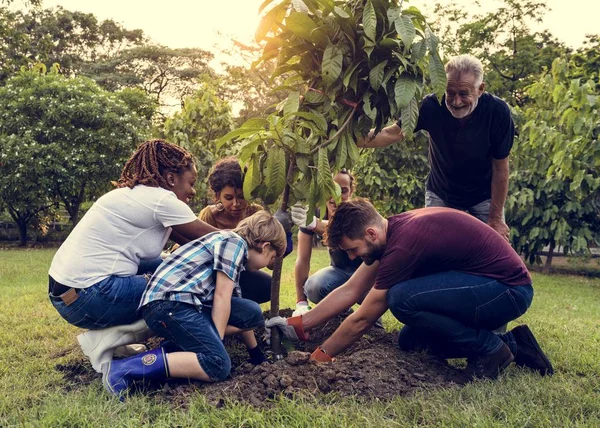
(291,328)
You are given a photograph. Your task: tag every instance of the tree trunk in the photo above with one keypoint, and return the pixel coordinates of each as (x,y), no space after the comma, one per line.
(548,264)
(22,224)
(276,345)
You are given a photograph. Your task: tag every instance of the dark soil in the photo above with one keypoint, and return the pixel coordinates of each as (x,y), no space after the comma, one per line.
(371,369)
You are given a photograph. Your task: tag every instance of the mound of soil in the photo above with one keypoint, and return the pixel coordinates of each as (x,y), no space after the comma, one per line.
(371,369)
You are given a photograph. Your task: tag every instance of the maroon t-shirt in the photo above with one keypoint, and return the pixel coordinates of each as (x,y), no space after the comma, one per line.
(432,240)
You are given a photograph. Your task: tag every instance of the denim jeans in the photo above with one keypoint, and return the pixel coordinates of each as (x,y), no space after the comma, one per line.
(480,211)
(193,330)
(112,301)
(256,286)
(454,313)
(324,281)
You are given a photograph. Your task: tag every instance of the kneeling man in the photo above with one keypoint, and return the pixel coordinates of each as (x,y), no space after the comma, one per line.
(449,278)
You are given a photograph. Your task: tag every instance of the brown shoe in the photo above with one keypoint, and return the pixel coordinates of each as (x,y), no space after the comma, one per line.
(529,353)
(485,366)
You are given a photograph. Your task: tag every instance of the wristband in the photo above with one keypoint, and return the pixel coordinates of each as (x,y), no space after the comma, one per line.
(320,356)
(313,224)
(296,323)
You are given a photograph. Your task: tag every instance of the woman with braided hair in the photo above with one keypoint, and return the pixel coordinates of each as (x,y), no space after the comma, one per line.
(97,276)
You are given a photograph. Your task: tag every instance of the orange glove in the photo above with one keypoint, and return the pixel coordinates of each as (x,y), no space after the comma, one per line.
(320,356)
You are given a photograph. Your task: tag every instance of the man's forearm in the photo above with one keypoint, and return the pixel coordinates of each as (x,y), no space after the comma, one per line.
(347,333)
(499,189)
(335,303)
(388,135)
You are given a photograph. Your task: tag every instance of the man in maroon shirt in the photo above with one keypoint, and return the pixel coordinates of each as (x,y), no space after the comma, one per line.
(449,278)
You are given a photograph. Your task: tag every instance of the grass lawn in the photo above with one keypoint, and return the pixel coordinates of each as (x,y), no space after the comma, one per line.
(565,317)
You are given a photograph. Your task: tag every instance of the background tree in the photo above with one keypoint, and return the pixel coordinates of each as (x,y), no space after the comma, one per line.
(203,119)
(554,197)
(503,40)
(75,40)
(357,64)
(79,134)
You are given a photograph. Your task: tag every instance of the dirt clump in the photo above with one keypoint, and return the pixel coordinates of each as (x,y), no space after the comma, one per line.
(373,368)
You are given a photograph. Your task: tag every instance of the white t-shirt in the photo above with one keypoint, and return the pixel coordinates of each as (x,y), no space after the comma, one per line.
(122,227)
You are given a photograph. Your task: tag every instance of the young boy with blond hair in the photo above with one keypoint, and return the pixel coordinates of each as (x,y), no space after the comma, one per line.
(194,299)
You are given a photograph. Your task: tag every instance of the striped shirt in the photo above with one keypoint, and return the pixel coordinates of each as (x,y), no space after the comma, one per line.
(189,274)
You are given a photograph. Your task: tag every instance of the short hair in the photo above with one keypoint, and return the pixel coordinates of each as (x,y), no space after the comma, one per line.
(466,64)
(350,176)
(151,160)
(226,172)
(350,220)
(262,227)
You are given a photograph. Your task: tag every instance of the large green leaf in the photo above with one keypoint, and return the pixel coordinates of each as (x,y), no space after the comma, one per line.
(410,114)
(249,149)
(376,75)
(369,21)
(437,74)
(292,103)
(404,90)
(252,177)
(406,30)
(275,173)
(300,24)
(342,152)
(331,67)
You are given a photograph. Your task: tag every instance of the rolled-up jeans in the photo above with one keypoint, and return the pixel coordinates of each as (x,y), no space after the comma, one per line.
(455,313)
(193,330)
(112,301)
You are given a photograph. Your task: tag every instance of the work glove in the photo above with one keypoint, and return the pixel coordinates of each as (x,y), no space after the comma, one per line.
(302,307)
(299,217)
(320,356)
(291,328)
(285,219)
(256,356)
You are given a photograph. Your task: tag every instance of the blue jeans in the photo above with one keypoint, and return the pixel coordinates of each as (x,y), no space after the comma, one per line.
(256,286)
(324,281)
(456,312)
(193,330)
(480,211)
(112,301)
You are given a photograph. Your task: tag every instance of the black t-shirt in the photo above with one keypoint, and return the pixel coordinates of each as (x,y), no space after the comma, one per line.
(461,151)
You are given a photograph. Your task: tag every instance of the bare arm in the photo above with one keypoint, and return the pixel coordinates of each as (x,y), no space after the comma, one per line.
(190,231)
(342,297)
(388,135)
(500,172)
(222,303)
(357,324)
(302,267)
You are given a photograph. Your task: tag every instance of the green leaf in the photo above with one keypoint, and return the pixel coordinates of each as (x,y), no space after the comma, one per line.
(404,90)
(252,177)
(300,24)
(341,12)
(376,75)
(437,74)
(419,49)
(349,72)
(369,21)
(406,30)
(331,67)
(249,149)
(317,118)
(410,114)
(324,178)
(275,172)
(342,152)
(292,103)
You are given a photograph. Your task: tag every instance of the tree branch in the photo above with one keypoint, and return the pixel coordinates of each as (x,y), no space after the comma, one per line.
(337,134)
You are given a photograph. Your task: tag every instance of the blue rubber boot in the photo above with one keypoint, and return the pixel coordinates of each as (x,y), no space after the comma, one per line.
(119,375)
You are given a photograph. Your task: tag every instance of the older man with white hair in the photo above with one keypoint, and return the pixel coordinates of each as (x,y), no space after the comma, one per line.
(471,133)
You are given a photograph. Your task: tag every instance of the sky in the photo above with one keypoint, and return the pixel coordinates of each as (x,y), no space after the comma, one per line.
(198,23)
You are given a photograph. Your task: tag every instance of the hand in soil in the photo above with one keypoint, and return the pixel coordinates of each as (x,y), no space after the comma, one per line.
(291,328)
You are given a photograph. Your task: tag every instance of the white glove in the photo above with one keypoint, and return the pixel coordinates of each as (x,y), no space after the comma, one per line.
(302,307)
(298,212)
(291,328)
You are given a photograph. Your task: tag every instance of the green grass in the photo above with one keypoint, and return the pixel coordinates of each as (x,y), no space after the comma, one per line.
(34,339)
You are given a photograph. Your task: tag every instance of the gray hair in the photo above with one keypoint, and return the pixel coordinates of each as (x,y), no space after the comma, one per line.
(466,64)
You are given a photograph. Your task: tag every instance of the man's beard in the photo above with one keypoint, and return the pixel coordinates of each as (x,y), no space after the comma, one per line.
(374,254)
